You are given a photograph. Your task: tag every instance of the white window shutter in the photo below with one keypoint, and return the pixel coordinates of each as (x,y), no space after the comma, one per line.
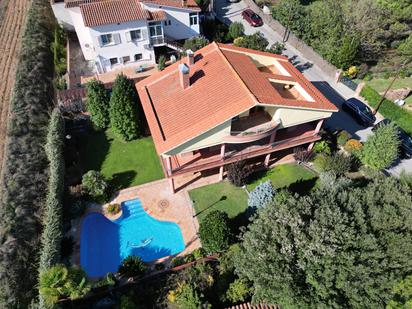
(99,39)
(128,36)
(144,34)
(117,38)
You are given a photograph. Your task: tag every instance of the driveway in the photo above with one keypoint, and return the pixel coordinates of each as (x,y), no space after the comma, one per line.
(335,92)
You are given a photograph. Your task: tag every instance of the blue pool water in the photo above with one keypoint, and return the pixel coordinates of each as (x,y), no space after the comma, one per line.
(105,243)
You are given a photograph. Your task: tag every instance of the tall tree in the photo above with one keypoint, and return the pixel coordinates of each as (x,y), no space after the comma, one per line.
(123,109)
(98,103)
(339,247)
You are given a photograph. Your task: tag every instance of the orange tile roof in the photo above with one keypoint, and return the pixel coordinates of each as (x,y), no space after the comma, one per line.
(183,4)
(157,15)
(112,12)
(188,4)
(224,82)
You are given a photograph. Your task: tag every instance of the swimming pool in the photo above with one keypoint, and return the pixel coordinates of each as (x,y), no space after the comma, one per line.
(105,243)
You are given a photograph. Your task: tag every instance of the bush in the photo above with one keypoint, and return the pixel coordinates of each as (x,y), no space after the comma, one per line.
(189,298)
(95,184)
(255,41)
(261,196)
(126,302)
(177,261)
(402,294)
(343,137)
(199,253)
(25,165)
(239,291)
(132,266)
(113,209)
(195,43)
(277,48)
(337,163)
(123,109)
(59,51)
(162,63)
(397,114)
(236,30)
(353,146)
(59,282)
(98,103)
(238,173)
(322,147)
(381,149)
(214,232)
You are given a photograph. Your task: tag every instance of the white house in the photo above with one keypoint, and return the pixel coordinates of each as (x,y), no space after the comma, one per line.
(115,33)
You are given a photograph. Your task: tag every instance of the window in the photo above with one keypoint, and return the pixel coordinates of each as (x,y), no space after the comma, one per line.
(107,39)
(126,59)
(135,35)
(138,57)
(114,61)
(193,19)
(155,29)
(167,22)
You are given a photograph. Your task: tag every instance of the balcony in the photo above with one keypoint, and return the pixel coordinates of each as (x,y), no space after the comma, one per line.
(251,128)
(205,159)
(157,41)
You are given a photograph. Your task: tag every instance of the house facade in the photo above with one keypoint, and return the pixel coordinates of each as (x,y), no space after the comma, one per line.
(224,104)
(117,33)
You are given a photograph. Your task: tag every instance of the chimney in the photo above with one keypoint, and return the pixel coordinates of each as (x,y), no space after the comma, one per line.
(190,57)
(184,3)
(184,75)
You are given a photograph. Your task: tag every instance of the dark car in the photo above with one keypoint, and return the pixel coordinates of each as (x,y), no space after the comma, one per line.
(359,111)
(405,147)
(252,18)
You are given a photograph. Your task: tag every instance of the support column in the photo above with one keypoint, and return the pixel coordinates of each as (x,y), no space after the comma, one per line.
(267,158)
(172,184)
(221,168)
(222,157)
(272,138)
(319,126)
(310,146)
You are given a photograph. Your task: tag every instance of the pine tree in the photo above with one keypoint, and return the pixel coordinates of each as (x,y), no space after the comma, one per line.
(123,109)
(98,103)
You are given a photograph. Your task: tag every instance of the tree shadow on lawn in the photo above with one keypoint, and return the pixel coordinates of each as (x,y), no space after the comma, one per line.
(122,180)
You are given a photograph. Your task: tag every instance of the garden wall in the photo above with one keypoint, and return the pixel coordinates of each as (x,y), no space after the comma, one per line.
(307,51)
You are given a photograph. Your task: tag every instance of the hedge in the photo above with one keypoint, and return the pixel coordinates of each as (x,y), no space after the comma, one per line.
(25,173)
(388,109)
(52,214)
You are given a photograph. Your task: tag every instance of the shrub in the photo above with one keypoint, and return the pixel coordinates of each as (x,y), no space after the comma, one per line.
(353,146)
(402,294)
(25,165)
(126,302)
(132,266)
(381,149)
(322,147)
(214,232)
(189,298)
(238,173)
(98,103)
(262,195)
(161,63)
(255,41)
(113,209)
(277,48)
(94,184)
(199,253)
(352,71)
(397,114)
(337,163)
(195,43)
(239,291)
(123,109)
(177,261)
(59,282)
(343,137)
(236,30)
(302,155)
(59,50)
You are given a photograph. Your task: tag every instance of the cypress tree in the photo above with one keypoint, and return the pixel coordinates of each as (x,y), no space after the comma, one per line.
(123,109)
(98,103)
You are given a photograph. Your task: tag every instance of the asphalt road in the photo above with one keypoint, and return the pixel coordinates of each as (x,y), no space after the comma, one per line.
(335,92)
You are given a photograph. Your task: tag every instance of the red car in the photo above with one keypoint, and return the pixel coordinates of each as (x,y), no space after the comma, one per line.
(252,18)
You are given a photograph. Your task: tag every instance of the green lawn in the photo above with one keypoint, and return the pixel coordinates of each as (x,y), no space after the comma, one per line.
(126,164)
(296,177)
(219,196)
(233,200)
(380,85)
